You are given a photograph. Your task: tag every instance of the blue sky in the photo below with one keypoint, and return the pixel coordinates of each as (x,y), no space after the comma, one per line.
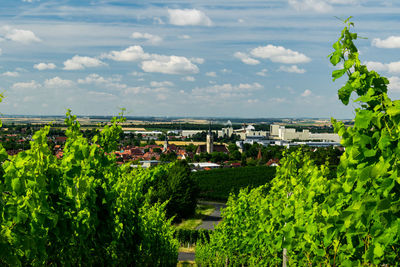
(187,58)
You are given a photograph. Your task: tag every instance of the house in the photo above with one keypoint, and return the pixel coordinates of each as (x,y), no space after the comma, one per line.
(273,162)
(216,148)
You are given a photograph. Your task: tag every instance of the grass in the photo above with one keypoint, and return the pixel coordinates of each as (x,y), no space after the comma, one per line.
(186,263)
(200,213)
(187,249)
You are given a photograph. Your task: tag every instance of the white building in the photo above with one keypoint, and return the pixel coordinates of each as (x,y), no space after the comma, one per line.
(243,133)
(281,133)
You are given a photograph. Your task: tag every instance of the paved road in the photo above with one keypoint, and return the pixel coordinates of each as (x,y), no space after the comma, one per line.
(212,219)
(208,223)
(186,256)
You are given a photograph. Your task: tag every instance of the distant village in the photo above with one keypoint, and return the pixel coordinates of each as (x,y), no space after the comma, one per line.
(242,147)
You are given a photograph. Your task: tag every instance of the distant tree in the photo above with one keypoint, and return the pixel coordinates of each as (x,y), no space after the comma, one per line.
(178,188)
(168,157)
(235,155)
(191,148)
(157,150)
(205,156)
(232,147)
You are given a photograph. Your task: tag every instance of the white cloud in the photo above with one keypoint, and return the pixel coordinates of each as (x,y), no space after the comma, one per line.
(279,54)
(153,39)
(246,59)
(26,85)
(320,6)
(132,53)
(197,60)
(216,93)
(57,82)
(100,94)
(10,74)
(161,84)
(377,66)
(161,96)
(170,65)
(392,67)
(184,36)
(1,51)
(226,71)
(137,74)
(306,93)
(133,90)
(240,20)
(189,79)
(390,42)
(211,74)
(292,69)
(79,63)
(243,87)
(156,63)
(252,101)
(278,100)
(98,80)
(192,17)
(44,66)
(157,20)
(263,72)
(394,84)
(20,36)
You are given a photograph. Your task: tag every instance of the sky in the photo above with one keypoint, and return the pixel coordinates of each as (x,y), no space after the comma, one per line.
(187,58)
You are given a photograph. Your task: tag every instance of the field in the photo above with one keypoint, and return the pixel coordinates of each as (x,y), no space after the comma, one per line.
(217,184)
(180,143)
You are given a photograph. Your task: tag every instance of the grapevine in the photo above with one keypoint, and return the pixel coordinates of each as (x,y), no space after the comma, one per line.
(350,220)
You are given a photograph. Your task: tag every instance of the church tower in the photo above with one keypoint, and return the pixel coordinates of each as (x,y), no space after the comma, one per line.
(210,143)
(165,143)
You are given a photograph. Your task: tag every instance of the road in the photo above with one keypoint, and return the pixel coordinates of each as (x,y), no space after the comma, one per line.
(211,220)
(208,223)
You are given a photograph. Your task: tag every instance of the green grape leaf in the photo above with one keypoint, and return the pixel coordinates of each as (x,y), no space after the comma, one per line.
(363,119)
(336,74)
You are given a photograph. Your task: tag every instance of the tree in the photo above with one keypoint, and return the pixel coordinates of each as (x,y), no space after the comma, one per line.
(168,157)
(178,188)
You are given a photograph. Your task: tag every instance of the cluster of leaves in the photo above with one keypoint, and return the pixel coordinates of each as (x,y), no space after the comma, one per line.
(82,209)
(352,219)
(191,237)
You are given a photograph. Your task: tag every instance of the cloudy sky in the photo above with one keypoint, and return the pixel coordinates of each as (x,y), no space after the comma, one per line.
(254,58)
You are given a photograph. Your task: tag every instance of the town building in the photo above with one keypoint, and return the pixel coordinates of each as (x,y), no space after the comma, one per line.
(280,132)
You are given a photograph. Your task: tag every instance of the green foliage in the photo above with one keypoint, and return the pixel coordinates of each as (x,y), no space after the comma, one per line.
(168,157)
(350,220)
(217,184)
(257,225)
(177,187)
(191,237)
(82,209)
